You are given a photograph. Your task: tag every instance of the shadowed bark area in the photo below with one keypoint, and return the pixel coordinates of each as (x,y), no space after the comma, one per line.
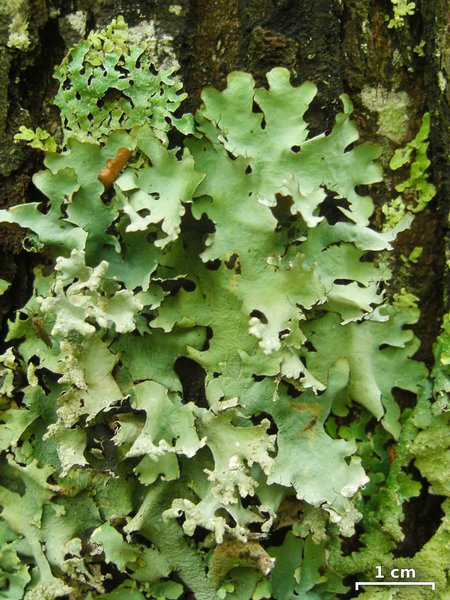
(392,85)
(211,46)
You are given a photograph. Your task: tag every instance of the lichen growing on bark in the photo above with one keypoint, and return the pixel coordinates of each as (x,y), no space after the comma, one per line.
(392,109)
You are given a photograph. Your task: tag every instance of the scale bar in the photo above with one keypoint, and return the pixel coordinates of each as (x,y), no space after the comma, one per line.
(432,584)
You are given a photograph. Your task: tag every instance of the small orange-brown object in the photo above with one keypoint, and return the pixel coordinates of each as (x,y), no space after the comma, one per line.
(109,174)
(38,325)
(391,454)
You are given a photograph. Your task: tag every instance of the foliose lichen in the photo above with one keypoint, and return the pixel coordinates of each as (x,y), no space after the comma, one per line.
(401,9)
(204,244)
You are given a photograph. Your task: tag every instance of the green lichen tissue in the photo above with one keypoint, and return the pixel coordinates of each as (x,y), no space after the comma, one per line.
(197,399)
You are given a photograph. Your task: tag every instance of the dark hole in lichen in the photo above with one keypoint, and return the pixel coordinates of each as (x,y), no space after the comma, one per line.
(278,535)
(188,285)
(422,518)
(255,108)
(112,576)
(258,377)
(330,207)
(233,263)
(209,335)
(353,543)
(192,378)
(257,419)
(343,281)
(107,198)
(259,315)
(229,154)
(371,425)
(307,345)
(282,209)
(144,212)
(362,190)
(213,265)
(292,391)
(250,501)
(174,285)
(404,398)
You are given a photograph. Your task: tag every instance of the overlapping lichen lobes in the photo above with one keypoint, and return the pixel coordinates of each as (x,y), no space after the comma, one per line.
(108,84)
(219,254)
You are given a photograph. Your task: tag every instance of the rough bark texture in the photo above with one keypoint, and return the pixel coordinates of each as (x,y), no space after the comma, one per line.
(393,76)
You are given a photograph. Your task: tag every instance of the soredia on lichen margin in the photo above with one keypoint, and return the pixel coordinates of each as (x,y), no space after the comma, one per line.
(212,315)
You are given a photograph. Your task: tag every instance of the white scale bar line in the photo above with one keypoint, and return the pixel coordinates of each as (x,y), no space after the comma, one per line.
(432,584)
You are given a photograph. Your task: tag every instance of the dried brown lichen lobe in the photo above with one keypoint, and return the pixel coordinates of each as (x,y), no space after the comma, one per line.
(109,174)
